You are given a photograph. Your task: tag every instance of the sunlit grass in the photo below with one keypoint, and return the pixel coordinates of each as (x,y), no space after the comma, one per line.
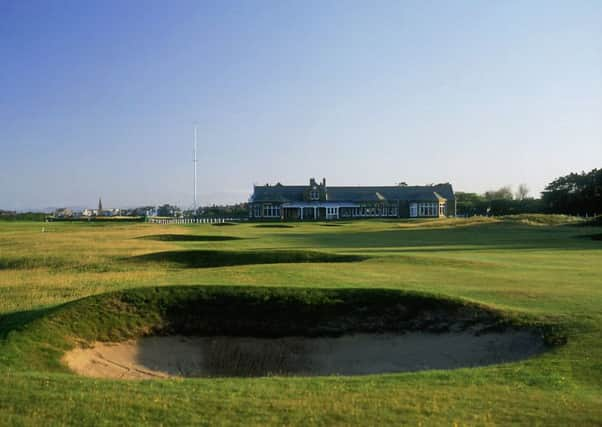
(532,265)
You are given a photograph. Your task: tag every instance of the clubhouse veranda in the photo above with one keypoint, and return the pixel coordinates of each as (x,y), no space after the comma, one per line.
(317,201)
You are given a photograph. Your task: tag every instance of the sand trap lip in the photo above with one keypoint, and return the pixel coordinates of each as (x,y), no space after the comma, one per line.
(188,238)
(209,258)
(357,354)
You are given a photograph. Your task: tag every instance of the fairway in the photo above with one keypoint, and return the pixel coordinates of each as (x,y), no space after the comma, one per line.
(536,270)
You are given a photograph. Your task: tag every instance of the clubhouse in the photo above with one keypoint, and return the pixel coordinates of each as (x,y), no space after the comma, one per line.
(316,201)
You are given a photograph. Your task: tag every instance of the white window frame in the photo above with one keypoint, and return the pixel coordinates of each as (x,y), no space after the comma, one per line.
(271,211)
(428,209)
(413,210)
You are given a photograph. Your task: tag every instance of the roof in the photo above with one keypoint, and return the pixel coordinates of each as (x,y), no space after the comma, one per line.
(295,193)
(279,193)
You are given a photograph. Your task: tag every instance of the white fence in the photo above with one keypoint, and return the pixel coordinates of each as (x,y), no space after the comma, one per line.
(192,220)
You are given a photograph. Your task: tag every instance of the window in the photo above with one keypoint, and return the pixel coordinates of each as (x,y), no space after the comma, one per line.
(270,211)
(257,211)
(332,212)
(427,209)
(413,210)
(314,194)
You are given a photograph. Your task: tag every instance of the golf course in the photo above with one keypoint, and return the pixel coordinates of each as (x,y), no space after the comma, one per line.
(69,287)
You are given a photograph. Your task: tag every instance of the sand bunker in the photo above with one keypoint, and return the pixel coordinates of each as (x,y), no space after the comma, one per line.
(359,354)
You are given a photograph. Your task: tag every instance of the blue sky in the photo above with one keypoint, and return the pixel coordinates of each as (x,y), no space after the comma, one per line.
(99,98)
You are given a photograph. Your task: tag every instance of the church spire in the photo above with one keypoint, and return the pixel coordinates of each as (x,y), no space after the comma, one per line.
(99,206)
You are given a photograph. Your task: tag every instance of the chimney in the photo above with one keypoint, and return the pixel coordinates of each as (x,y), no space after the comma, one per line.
(324,182)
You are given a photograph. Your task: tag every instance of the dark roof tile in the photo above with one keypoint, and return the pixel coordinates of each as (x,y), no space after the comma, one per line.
(295,193)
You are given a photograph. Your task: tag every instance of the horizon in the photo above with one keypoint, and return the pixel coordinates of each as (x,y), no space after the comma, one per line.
(100,99)
(233,203)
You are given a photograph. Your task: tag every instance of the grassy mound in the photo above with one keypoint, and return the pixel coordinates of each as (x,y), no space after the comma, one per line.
(541,219)
(445,222)
(188,238)
(593,222)
(236,311)
(521,219)
(215,258)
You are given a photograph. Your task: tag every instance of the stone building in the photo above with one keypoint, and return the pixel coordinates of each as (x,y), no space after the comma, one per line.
(316,201)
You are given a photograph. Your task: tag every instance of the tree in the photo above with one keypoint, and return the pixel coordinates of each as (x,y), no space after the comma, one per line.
(167,210)
(469,204)
(239,210)
(522,192)
(141,211)
(498,202)
(514,207)
(504,193)
(575,194)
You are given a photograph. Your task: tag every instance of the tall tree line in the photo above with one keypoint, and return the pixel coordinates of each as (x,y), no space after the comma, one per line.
(572,194)
(575,194)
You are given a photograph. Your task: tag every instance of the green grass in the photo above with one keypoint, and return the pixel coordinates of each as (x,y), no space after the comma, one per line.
(533,270)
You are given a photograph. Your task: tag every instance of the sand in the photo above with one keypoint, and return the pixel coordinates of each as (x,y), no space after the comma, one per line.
(359,354)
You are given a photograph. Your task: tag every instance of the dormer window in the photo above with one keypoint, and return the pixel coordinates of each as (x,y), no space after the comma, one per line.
(314,194)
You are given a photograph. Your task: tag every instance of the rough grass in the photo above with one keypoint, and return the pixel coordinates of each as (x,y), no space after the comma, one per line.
(540,272)
(593,222)
(542,219)
(446,222)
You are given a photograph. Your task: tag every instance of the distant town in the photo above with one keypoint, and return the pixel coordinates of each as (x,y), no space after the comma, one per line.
(575,194)
(166,210)
(104,212)
(138,213)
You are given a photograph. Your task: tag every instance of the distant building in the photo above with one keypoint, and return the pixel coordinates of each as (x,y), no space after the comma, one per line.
(63,213)
(109,212)
(316,201)
(140,211)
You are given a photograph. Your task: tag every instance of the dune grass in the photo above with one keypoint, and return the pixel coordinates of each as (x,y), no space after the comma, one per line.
(541,271)
(593,222)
